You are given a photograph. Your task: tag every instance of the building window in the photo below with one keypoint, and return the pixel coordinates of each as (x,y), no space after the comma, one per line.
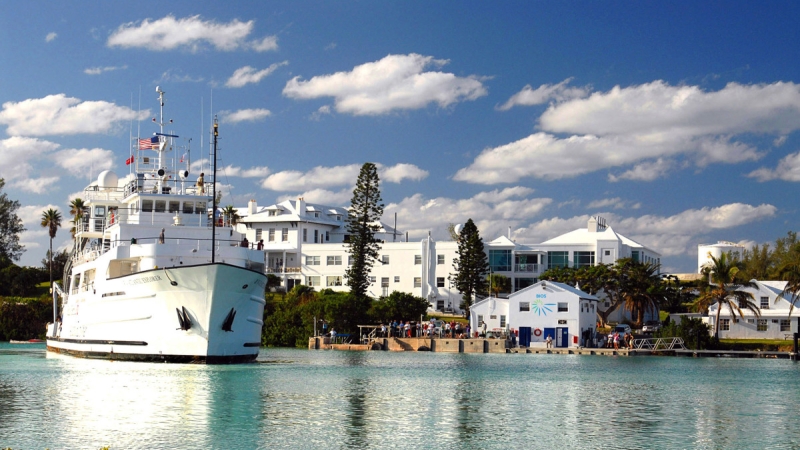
(417,282)
(785,325)
(635,255)
(372,279)
(350,260)
(305,234)
(524,306)
(316,236)
(502,321)
(500,260)
(384,259)
(385,286)
(258,234)
(440,282)
(492,316)
(284,234)
(583,259)
(480,318)
(724,324)
(334,280)
(327,236)
(313,281)
(557,259)
(396,279)
(563,307)
(334,260)
(762,325)
(417,260)
(526,263)
(440,259)
(522,283)
(312,260)
(764,302)
(271,235)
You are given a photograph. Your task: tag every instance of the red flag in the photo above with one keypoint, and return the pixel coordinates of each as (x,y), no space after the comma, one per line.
(129,161)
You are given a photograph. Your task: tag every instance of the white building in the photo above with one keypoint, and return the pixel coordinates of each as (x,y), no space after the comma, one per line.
(306,244)
(566,314)
(774,321)
(706,251)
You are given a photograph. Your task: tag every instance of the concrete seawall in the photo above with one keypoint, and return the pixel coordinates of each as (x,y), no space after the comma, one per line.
(444,345)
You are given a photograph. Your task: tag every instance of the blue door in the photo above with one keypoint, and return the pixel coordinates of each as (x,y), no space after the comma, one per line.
(562,337)
(524,336)
(549,332)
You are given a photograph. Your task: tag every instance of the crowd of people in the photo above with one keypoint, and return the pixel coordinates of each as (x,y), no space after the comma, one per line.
(616,341)
(432,328)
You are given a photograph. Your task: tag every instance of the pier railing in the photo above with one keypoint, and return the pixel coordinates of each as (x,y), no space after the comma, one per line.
(657,344)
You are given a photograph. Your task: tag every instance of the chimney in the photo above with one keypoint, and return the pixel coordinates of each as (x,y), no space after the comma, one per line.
(301,207)
(593,225)
(252,207)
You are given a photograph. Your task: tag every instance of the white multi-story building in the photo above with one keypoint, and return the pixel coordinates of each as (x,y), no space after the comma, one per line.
(706,251)
(307,244)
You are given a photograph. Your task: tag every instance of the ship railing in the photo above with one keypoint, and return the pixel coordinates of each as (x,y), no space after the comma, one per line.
(93,252)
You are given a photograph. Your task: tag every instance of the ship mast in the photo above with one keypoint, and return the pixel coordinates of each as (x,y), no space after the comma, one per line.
(214,196)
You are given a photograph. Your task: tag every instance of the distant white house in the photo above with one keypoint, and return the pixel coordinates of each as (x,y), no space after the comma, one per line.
(566,314)
(774,321)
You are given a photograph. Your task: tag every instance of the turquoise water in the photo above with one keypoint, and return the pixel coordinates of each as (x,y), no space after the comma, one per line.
(324,399)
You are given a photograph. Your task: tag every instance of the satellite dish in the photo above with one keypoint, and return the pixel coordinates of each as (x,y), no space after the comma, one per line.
(107,180)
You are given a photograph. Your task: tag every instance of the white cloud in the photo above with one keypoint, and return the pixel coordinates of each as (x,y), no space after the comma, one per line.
(547,92)
(59,114)
(84,162)
(493,212)
(396,82)
(100,70)
(269,43)
(36,185)
(400,172)
(174,76)
(646,171)
(50,37)
(671,125)
(253,172)
(657,108)
(191,33)
(245,75)
(323,110)
(244,115)
(326,177)
(779,141)
(788,169)
(16,155)
(616,203)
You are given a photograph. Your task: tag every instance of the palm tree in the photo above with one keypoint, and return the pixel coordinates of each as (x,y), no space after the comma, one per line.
(643,289)
(77,208)
(51,219)
(724,289)
(230,213)
(789,271)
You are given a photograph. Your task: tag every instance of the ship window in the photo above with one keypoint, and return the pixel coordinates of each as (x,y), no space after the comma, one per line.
(147,205)
(161,205)
(200,208)
(174,206)
(188,207)
(99,211)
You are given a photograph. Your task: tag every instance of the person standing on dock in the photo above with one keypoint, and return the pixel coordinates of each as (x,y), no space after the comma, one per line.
(549,341)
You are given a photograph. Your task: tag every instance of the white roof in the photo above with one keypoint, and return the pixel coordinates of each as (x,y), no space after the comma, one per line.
(584,236)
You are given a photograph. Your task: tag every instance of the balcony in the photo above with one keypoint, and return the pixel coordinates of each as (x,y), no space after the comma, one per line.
(530,268)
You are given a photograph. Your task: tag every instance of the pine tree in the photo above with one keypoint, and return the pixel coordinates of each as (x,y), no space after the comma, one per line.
(471,265)
(10,227)
(362,223)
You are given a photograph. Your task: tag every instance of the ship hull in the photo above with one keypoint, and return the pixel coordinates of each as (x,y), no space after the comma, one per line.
(211,313)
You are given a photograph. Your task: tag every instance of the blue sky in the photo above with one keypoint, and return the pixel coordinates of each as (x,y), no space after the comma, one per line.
(676,121)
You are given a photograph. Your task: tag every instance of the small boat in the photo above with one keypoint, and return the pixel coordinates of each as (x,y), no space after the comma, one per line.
(153,276)
(29,341)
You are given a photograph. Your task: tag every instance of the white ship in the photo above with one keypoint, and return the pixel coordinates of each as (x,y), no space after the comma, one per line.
(154,276)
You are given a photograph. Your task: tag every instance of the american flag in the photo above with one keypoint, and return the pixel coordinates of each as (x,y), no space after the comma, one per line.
(149,143)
